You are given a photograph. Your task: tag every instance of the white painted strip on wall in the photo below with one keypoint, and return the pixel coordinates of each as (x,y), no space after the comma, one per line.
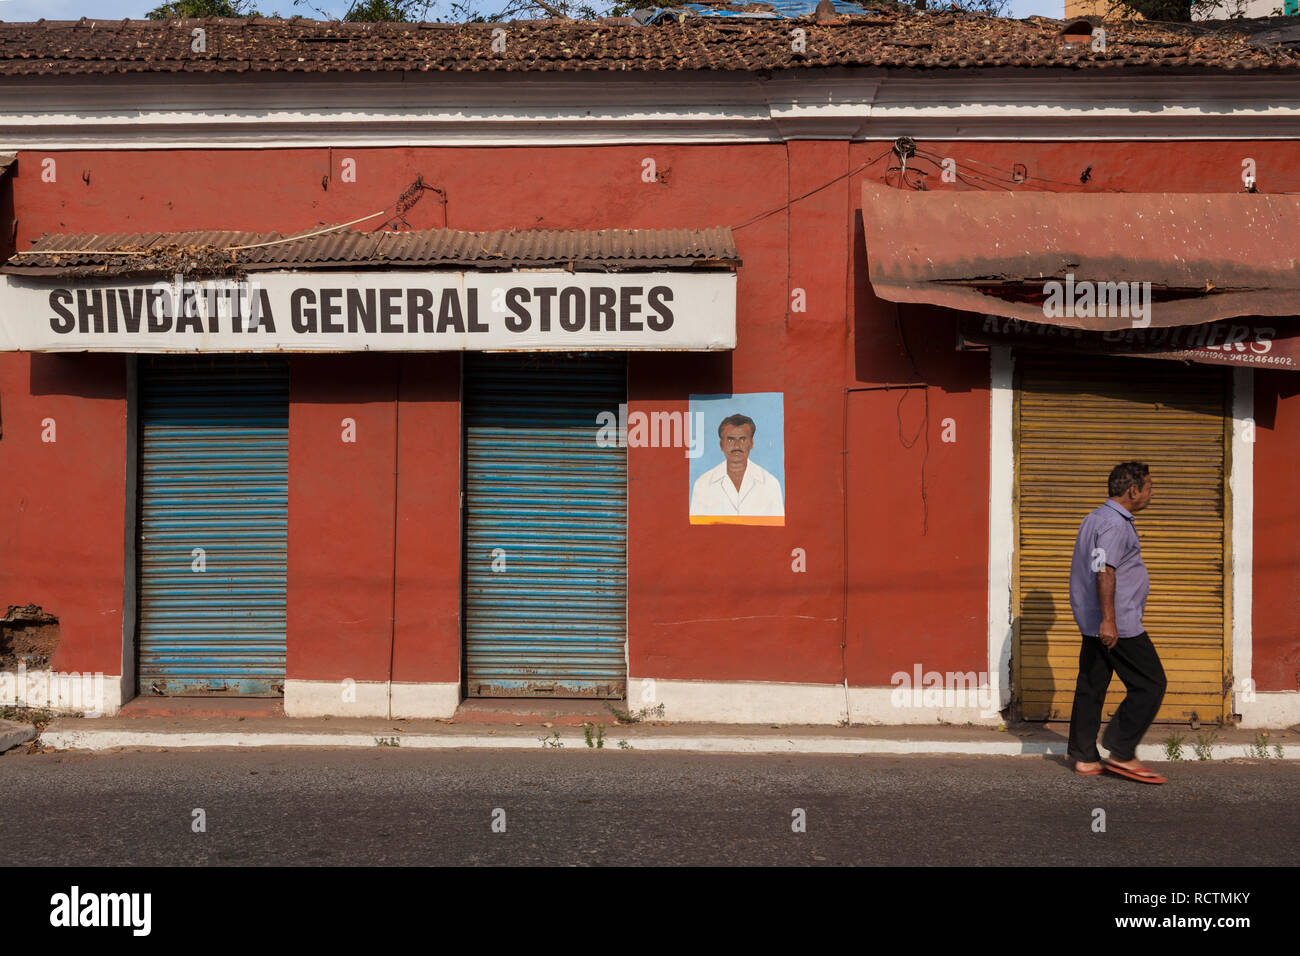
(414,701)
(1271,710)
(746,702)
(339,698)
(1002,545)
(263,111)
(89,694)
(764,702)
(1241,484)
(890,706)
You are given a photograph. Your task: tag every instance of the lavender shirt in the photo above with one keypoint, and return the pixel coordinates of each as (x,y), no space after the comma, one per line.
(1110,529)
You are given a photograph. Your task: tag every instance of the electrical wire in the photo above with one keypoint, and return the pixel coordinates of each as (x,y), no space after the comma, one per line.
(403,203)
(831,182)
(923,429)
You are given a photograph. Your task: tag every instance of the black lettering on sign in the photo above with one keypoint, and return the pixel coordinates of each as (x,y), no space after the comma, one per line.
(474,324)
(90,305)
(302,310)
(514,298)
(62,321)
(627,308)
(188,316)
(450,315)
(602,306)
(211,297)
(573,309)
(157,304)
(237,310)
(389,310)
(659,298)
(419,310)
(110,309)
(330,308)
(132,308)
(544,296)
(262,316)
(359,310)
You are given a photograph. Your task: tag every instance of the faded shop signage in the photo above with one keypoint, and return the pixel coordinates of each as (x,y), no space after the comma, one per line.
(1272,342)
(373,311)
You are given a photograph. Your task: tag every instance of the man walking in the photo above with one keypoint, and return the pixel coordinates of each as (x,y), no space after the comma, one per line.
(1108,592)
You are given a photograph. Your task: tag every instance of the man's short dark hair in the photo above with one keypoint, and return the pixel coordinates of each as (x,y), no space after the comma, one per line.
(737,420)
(1126,475)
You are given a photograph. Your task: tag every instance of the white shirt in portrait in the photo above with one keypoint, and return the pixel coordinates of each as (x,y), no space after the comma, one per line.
(715,495)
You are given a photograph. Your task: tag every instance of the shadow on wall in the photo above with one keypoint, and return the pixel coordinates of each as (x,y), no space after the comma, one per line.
(1271,386)
(1034,619)
(906,342)
(671,376)
(79,374)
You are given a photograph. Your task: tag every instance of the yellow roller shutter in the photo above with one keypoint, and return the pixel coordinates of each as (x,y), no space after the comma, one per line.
(1075,419)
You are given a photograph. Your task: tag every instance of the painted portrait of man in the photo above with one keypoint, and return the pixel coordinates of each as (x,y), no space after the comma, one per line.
(739,489)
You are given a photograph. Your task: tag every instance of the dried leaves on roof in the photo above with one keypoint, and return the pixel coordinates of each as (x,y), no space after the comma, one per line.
(899,38)
(231,253)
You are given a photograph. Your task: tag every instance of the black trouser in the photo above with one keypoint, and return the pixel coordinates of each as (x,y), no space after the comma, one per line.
(1138,665)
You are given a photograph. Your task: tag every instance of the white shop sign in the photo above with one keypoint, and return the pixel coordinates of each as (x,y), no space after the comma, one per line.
(404,311)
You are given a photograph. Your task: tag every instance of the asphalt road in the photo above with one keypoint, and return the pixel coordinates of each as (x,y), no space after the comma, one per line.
(587,808)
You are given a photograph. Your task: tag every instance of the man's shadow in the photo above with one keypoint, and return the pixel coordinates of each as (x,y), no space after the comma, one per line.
(1040,684)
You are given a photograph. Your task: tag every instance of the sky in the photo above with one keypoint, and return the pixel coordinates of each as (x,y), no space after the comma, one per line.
(16,10)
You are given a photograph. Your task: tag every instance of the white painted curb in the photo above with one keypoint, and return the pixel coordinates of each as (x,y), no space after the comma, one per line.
(111,739)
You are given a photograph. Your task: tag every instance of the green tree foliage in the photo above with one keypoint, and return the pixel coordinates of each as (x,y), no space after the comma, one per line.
(388,11)
(193,9)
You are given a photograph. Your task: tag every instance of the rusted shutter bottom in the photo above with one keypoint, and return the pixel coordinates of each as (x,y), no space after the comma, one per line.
(214,482)
(1076,418)
(545,527)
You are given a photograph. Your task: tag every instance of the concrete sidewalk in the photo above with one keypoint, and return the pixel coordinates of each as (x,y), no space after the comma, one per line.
(269,730)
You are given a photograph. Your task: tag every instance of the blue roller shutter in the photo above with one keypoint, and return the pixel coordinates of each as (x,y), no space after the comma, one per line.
(549,506)
(214,475)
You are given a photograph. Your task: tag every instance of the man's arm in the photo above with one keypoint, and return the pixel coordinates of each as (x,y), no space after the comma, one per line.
(1108,632)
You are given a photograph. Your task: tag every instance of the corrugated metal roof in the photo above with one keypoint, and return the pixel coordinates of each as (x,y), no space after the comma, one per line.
(219,252)
(1195,257)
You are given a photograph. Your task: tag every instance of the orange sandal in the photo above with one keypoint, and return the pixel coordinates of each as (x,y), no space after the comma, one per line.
(1140,774)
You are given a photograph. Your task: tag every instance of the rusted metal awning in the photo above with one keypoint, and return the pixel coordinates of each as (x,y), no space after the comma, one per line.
(69,256)
(1050,257)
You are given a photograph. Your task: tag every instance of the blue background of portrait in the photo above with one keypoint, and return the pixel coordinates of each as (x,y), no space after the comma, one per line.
(768,411)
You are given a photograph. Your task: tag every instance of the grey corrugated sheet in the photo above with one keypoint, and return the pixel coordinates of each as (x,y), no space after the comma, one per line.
(105,254)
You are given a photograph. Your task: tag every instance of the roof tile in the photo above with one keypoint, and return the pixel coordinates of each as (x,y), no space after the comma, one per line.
(902,38)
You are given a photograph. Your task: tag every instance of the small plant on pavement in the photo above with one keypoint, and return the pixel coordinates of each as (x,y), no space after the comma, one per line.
(1259,749)
(598,741)
(1174,746)
(624,745)
(553,742)
(1204,745)
(634,717)
(386,742)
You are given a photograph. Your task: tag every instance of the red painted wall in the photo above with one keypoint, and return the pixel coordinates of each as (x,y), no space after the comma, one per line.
(345,618)
(706,602)
(63,503)
(1276,598)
